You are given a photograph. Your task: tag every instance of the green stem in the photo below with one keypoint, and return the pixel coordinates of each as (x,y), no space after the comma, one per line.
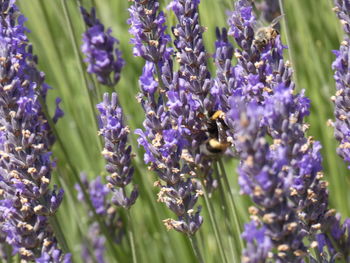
(74,200)
(195,248)
(131,237)
(214,223)
(59,233)
(79,60)
(237,224)
(228,218)
(335,245)
(318,256)
(8,251)
(285,28)
(159,76)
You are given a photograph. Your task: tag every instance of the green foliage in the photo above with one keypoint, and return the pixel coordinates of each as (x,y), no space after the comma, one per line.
(313,31)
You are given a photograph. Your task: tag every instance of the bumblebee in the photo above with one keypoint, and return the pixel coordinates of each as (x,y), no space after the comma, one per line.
(265,35)
(216,130)
(214,146)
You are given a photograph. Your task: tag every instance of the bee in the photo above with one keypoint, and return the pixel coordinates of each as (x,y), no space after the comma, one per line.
(265,35)
(214,146)
(216,130)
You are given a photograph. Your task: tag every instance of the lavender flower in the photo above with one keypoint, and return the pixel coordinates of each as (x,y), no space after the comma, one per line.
(191,53)
(165,153)
(94,241)
(25,166)
(225,75)
(99,46)
(263,178)
(147,25)
(260,67)
(167,150)
(341,76)
(258,243)
(265,82)
(335,238)
(97,242)
(116,152)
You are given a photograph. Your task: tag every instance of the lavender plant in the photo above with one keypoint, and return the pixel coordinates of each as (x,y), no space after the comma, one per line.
(297,184)
(116,151)
(99,46)
(341,75)
(224,84)
(27,203)
(263,177)
(192,117)
(100,49)
(103,58)
(166,148)
(260,65)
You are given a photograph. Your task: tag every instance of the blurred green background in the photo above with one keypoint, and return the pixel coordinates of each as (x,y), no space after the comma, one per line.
(56,28)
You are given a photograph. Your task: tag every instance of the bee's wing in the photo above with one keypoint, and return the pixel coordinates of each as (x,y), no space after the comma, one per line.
(257,25)
(276,20)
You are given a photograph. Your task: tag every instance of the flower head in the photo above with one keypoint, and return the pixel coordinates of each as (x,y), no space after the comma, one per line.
(289,168)
(341,75)
(26,202)
(262,176)
(116,151)
(102,56)
(147,25)
(171,101)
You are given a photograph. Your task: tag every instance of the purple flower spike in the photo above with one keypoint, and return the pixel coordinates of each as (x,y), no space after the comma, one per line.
(171,108)
(225,74)
(116,151)
(191,53)
(287,170)
(336,237)
(102,56)
(341,67)
(147,25)
(260,65)
(258,243)
(262,177)
(27,201)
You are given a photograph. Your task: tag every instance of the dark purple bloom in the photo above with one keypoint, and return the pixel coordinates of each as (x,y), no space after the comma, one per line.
(102,56)
(116,150)
(26,202)
(97,193)
(191,53)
